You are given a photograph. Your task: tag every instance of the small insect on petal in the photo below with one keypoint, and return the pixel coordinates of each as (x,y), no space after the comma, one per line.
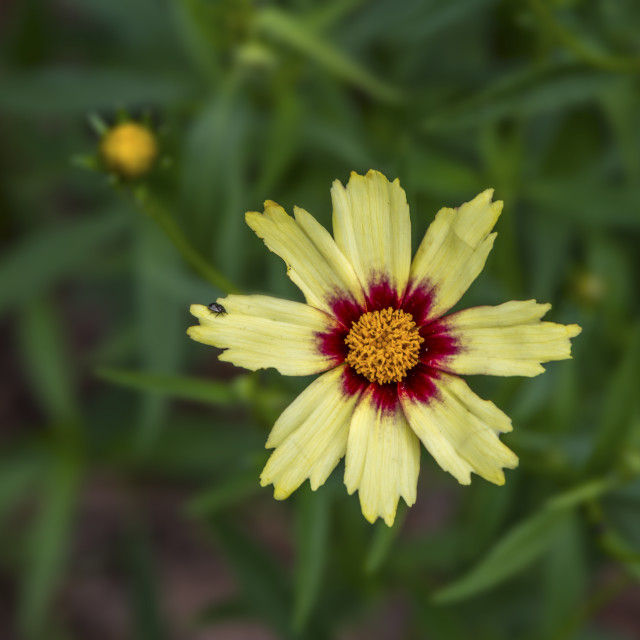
(216,308)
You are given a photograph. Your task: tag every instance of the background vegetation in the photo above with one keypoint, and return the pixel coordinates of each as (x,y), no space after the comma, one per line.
(129,499)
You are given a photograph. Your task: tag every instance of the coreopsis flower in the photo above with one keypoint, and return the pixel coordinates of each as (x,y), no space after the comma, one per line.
(129,149)
(374,327)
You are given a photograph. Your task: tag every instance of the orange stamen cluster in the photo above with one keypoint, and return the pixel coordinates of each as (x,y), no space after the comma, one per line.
(384,345)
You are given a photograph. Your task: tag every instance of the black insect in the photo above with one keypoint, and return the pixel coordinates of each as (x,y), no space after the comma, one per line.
(216,308)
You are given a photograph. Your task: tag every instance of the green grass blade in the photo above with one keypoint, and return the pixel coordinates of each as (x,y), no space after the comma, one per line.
(612,436)
(226,493)
(312,533)
(183,387)
(49,543)
(520,547)
(50,255)
(294,33)
(47,364)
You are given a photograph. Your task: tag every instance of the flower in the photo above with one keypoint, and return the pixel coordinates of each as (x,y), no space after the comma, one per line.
(391,361)
(129,149)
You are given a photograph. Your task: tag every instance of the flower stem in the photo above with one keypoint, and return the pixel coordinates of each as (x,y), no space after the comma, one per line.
(159,215)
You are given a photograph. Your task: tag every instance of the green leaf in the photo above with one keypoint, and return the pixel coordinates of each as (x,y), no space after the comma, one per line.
(161,344)
(382,541)
(77,91)
(19,473)
(226,493)
(565,578)
(294,33)
(612,435)
(312,533)
(147,616)
(50,255)
(523,544)
(49,542)
(519,548)
(524,94)
(283,140)
(586,204)
(183,387)
(47,364)
(261,580)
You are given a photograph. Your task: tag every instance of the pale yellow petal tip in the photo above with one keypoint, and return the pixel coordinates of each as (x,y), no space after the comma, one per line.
(371,516)
(198,310)
(484,201)
(573,330)
(372,175)
(270,207)
(281,493)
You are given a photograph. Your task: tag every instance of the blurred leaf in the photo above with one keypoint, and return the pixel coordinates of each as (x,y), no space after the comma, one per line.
(283,140)
(19,473)
(262,581)
(197,449)
(224,610)
(586,49)
(382,541)
(437,173)
(565,579)
(488,508)
(611,437)
(523,94)
(312,532)
(337,143)
(583,492)
(288,29)
(49,541)
(524,543)
(43,258)
(148,622)
(620,511)
(226,493)
(586,204)
(79,90)
(161,344)
(186,388)
(515,551)
(621,107)
(47,363)
(213,146)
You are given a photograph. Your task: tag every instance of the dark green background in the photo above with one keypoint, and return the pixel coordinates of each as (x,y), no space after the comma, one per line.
(129,497)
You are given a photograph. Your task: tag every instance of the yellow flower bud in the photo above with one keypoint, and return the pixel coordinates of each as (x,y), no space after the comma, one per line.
(129,149)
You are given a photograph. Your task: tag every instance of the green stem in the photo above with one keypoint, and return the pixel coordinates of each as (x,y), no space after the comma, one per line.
(155,211)
(574,44)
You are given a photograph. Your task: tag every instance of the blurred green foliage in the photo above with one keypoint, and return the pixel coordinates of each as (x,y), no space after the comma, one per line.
(104,393)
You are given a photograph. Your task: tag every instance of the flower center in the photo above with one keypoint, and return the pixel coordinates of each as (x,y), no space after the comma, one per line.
(384,345)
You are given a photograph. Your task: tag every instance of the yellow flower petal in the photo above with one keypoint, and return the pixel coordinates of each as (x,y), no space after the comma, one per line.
(372,227)
(314,262)
(454,251)
(310,436)
(260,332)
(383,459)
(460,430)
(507,340)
